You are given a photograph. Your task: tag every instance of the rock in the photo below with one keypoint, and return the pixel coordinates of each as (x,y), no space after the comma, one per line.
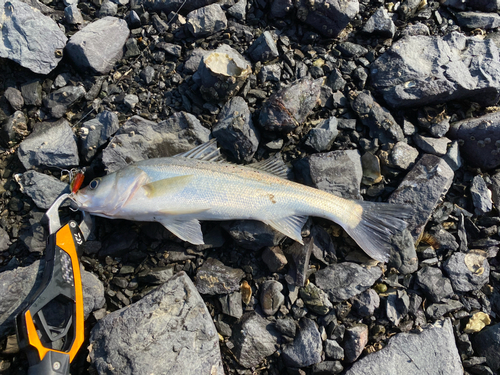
(169,330)
(43,189)
(403,156)
(140,139)
(475,20)
(321,137)
(495,189)
(315,299)
(148,74)
(468,271)
(356,338)
(371,169)
(108,8)
(231,304)
(397,306)
(322,247)
(380,23)
(333,350)
(298,256)
(14,98)
(289,107)
(206,21)
(51,144)
(93,293)
(96,132)
(430,145)
(235,131)
(438,310)
(337,172)
(264,48)
(439,74)
(422,189)
(403,255)
(306,347)
(34,236)
(434,284)
(213,277)
(350,49)
(487,344)
(73,15)
(156,276)
(377,118)
(99,45)
(274,258)
(238,10)
(329,17)
(59,101)
(173,5)
(345,280)
(431,351)
(287,326)
(365,303)
(32,93)
(270,73)
(253,235)
(271,297)
(452,157)
(222,73)
(14,129)
(477,322)
(485,5)
(481,196)
(254,339)
(479,139)
(4,240)
(130,101)
(29,38)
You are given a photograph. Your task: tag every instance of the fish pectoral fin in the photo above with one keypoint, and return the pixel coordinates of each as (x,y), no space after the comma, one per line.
(169,185)
(290,226)
(187,230)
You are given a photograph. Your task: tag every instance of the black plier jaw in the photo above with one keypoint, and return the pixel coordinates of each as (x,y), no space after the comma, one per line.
(50,329)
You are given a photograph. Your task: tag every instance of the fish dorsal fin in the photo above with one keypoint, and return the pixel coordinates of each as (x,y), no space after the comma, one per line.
(186,230)
(274,165)
(170,185)
(207,151)
(290,226)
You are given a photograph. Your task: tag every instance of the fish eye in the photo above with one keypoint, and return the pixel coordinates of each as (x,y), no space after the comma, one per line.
(94,183)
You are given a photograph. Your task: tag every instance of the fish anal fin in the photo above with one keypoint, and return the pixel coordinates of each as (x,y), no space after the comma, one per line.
(290,226)
(170,185)
(274,165)
(188,230)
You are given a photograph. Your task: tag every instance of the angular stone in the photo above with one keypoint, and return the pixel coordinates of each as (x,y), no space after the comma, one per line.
(298,256)
(51,144)
(169,330)
(380,23)
(422,189)
(14,98)
(254,339)
(438,310)
(306,347)
(445,68)
(231,304)
(345,280)
(321,137)
(487,344)
(481,196)
(264,48)
(43,189)
(333,350)
(431,351)
(238,10)
(435,285)
(274,258)
(468,271)
(59,101)
(108,8)
(397,306)
(213,277)
(99,45)
(315,299)
(365,303)
(207,20)
(478,20)
(30,38)
(94,133)
(403,156)
(431,145)
(235,131)
(32,93)
(355,341)
(73,15)
(139,139)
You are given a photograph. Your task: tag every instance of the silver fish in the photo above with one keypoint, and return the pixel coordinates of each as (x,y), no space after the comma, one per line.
(180,191)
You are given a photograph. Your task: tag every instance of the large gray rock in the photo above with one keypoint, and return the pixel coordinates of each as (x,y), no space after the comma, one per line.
(29,38)
(479,139)
(168,331)
(99,45)
(420,70)
(51,144)
(422,189)
(345,280)
(42,188)
(139,139)
(433,351)
(206,21)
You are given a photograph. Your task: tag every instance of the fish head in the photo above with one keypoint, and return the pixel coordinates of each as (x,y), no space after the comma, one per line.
(105,196)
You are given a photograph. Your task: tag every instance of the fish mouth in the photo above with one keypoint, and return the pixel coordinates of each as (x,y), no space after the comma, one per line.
(75,203)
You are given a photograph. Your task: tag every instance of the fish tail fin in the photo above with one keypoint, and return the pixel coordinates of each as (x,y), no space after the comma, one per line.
(378,222)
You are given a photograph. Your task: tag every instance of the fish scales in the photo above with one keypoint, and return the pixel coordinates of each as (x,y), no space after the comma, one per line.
(180,191)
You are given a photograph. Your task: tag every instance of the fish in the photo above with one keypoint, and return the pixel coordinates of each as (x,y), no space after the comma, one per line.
(182,190)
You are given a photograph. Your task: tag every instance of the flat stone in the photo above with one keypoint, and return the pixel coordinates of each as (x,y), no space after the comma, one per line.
(32,93)
(99,45)
(431,351)
(397,306)
(333,350)
(254,339)
(475,20)
(43,189)
(168,330)
(422,189)
(434,284)
(139,139)
(207,20)
(287,326)
(298,255)
(213,277)
(253,235)
(231,304)
(345,280)
(30,38)
(468,271)
(431,145)
(51,144)
(306,347)
(438,310)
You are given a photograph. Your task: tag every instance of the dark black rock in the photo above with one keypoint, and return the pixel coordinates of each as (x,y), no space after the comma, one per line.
(254,339)
(231,304)
(32,93)
(306,347)
(271,297)
(432,351)
(94,133)
(350,49)
(207,20)
(356,338)
(189,345)
(280,8)
(298,256)
(468,271)
(274,258)
(487,344)
(287,326)
(51,144)
(345,280)
(335,80)
(253,235)
(213,277)
(434,284)
(156,276)
(59,101)
(403,256)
